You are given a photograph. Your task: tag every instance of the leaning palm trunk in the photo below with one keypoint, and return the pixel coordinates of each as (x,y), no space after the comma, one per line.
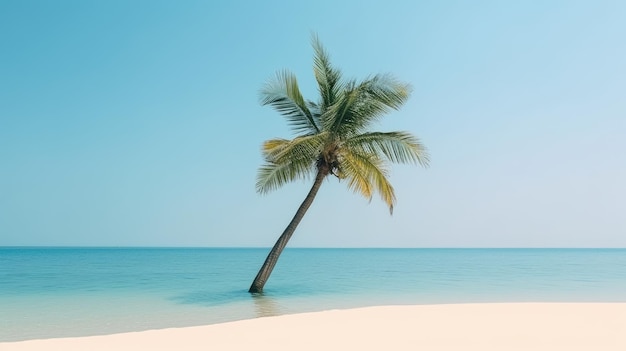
(272,257)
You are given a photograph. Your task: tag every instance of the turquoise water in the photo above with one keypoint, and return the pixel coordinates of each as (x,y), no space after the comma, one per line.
(59,292)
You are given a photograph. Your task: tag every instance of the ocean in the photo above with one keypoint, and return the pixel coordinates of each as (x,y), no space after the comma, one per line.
(64,292)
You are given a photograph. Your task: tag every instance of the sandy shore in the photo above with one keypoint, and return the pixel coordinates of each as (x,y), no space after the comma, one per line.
(507,326)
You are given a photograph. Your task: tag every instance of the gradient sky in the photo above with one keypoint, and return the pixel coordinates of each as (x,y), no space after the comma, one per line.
(137,123)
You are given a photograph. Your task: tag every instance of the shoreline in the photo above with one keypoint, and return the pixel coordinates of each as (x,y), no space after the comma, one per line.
(478,326)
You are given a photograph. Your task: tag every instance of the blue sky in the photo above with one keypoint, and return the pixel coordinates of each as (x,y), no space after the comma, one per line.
(138,122)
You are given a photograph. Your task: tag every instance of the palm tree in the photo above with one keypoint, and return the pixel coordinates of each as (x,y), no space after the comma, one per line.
(333,139)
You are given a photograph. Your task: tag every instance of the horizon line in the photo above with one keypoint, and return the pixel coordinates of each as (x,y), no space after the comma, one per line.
(308,247)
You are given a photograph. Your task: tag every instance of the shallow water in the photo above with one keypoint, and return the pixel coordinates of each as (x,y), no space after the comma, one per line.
(58,292)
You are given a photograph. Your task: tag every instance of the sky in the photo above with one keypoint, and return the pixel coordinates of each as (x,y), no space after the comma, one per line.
(138,123)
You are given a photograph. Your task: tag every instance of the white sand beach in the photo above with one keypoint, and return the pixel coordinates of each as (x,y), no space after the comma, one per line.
(490,326)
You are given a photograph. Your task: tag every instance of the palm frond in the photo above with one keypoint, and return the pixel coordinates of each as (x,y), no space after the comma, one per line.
(333,115)
(288,160)
(283,94)
(272,176)
(368,101)
(305,147)
(366,173)
(397,147)
(328,78)
(273,147)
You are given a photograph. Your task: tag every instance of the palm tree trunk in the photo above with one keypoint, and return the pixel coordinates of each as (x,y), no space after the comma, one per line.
(272,258)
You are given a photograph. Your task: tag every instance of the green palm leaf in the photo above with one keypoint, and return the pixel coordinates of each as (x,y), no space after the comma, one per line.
(367,174)
(328,78)
(272,176)
(283,94)
(288,160)
(302,148)
(362,103)
(397,147)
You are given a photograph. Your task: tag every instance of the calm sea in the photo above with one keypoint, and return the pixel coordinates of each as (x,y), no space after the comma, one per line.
(59,292)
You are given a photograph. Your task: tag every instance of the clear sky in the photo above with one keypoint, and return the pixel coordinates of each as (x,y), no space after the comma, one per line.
(137,123)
